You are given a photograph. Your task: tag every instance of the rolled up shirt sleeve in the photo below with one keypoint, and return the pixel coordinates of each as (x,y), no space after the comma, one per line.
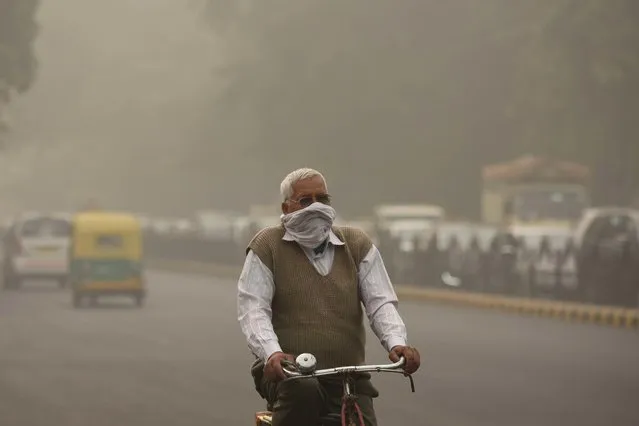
(380,301)
(255,294)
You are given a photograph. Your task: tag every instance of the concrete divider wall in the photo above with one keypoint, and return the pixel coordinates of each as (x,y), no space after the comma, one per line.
(196,254)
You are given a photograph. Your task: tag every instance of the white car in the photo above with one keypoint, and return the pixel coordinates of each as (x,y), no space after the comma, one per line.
(36,246)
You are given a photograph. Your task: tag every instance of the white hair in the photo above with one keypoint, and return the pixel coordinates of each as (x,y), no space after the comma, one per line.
(286,187)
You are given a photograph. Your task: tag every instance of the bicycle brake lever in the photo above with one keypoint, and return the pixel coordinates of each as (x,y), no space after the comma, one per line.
(289,364)
(412,382)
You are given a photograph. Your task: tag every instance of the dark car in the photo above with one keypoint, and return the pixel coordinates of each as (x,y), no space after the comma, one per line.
(608,257)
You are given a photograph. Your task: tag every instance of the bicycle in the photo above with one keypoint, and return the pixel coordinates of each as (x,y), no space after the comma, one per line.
(305,367)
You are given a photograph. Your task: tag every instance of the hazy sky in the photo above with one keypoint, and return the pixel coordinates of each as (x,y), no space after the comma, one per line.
(115,98)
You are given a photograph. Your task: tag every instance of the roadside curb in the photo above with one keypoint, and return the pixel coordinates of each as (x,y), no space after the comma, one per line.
(581,313)
(573,312)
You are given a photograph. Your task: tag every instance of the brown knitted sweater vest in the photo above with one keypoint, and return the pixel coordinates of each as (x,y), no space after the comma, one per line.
(314,313)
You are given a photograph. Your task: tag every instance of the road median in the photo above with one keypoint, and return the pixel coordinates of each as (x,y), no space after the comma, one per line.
(567,311)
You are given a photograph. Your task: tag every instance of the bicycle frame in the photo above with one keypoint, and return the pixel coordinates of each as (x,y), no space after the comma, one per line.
(305,368)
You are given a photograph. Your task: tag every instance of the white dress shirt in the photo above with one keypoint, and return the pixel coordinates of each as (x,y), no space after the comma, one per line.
(256,288)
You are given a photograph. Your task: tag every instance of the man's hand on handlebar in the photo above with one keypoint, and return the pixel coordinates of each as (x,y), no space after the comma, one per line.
(273,367)
(411,355)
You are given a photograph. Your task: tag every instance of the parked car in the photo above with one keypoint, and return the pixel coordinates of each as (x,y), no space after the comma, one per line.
(608,256)
(36,246)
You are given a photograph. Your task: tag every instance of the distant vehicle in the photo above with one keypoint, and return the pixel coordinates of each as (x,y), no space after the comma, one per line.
(535,191)
(36,246)
(215,224)
(426,212)
(408,223)
(591,215)
(608,256)
(106,257)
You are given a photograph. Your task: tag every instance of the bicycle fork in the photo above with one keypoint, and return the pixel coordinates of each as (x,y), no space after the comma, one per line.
(350,407)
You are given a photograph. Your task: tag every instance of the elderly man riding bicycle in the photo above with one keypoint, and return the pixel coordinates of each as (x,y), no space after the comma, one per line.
(301,290)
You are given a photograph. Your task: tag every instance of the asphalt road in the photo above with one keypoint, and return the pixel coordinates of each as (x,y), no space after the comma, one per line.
(182,360)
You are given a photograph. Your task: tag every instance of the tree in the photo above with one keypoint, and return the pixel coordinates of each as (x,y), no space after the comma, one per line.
(18,64)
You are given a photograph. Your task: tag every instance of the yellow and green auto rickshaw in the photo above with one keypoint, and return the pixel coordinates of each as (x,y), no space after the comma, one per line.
(106,257)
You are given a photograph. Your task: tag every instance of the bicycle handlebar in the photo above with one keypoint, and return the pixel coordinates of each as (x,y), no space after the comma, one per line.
(305,367)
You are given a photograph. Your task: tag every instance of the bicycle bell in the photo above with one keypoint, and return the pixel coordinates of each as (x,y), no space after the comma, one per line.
(306,363)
